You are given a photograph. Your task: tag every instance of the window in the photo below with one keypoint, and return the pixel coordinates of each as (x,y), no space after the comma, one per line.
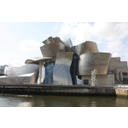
(123,77)
(125,73)
(86,82)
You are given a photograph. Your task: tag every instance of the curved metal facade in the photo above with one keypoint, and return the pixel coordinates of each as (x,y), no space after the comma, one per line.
(50,50)
(67,42)
(61,70)
(25,69)
(36,61)
(50,40)
(86,47)
(20,75)
(90,61)
(54,45)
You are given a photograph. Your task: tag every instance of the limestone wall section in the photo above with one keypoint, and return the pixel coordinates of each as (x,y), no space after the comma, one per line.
(102,80)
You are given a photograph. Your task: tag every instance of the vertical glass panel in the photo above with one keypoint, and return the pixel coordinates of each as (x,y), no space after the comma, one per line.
(74,70)
(49,72)
(121,76)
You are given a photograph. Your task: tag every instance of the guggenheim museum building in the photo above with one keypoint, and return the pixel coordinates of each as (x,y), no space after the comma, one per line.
(65,64)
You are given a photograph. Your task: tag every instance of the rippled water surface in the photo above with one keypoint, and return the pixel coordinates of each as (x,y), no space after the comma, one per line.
(14,100)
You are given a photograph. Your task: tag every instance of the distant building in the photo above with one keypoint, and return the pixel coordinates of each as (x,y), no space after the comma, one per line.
(2,70)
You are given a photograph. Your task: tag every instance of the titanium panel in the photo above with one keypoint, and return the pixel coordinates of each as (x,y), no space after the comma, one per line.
(67,42)
(54,45)
(61,70)
(50,50)
(90,61)
(25,69)
(86,47)
(50,40)
(36,61)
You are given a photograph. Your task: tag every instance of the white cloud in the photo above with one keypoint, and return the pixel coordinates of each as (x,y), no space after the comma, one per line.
(42,34)
(30,45)
(125,56)
(110,30)
(100,31)
(17,63)
(14,62)
(68,27)
(81,31)
(61,37)
(114,46)
(110,35)
(116,54)
(56,26)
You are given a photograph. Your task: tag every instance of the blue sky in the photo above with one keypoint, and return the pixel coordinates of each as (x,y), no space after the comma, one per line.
(22,40)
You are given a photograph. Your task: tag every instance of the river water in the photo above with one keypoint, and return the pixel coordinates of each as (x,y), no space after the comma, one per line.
(14,100)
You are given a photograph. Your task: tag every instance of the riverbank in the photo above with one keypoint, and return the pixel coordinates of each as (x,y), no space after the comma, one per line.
(64,90)
(58,89)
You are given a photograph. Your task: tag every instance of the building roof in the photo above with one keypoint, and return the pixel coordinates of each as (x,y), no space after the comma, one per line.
(37,60)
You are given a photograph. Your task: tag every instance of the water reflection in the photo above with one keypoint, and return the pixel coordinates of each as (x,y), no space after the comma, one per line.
(24,104)
(121,102)
(13,100)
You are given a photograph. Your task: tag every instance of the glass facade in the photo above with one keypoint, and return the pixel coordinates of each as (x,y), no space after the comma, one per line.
(74,69)
(123,77)
(49,72)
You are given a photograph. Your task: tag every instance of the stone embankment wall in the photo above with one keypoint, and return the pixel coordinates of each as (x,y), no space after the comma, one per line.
(57,89)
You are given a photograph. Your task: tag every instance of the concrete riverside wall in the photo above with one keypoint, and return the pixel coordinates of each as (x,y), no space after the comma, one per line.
(56,90)
(102,80)
(122,92)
